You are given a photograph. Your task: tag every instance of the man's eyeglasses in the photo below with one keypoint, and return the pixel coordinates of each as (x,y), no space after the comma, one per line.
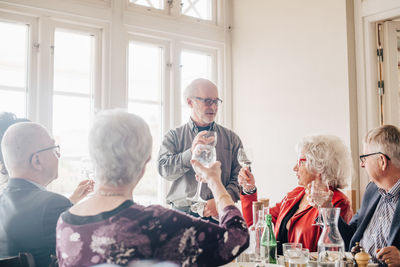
(363,158)
(209,101)
(55,148)
(300,161)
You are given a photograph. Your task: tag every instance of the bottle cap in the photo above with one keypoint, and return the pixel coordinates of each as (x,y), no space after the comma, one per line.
(265,202)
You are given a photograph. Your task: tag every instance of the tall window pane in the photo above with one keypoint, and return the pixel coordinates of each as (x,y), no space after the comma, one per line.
(145,99)
(201,9)
(72,104)
(193,65)
(13,67)
(158,4)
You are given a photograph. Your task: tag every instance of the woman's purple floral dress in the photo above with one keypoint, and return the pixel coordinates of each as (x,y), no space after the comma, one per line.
(132,231)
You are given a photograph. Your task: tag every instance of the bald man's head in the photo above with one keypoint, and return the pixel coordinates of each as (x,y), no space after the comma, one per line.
(21,141)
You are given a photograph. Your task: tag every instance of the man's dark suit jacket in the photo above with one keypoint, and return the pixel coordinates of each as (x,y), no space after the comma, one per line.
(354,231)
(28,219)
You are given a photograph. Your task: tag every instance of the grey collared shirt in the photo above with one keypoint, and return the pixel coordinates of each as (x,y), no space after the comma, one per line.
(174,163)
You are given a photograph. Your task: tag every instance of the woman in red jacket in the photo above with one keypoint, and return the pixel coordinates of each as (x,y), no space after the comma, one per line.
(323,157)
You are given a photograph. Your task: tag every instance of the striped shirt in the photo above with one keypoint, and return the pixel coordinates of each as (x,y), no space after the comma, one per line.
(377,232)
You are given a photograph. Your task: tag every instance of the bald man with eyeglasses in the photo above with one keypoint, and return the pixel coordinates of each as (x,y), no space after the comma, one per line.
(201,96)
(28,212)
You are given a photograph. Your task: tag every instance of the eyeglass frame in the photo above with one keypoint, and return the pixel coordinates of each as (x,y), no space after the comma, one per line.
(209,101)
(363,157)
(300,160)
(57,147)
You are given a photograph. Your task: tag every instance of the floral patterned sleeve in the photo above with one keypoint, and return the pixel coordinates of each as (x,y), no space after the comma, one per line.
(191,241)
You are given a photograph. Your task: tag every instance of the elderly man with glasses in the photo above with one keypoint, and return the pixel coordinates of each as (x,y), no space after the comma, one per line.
(377,224)
(28,212)
(176,151)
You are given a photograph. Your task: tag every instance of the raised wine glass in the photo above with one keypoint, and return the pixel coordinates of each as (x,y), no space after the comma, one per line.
(319,192)
(206,155)
(245,157)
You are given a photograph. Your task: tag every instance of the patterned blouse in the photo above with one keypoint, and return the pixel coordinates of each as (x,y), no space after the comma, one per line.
(132,231)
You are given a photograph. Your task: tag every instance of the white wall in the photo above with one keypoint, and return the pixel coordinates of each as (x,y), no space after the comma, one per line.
(290,79)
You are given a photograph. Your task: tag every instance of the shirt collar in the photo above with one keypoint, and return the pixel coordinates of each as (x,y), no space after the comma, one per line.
(394,192)
(194,127)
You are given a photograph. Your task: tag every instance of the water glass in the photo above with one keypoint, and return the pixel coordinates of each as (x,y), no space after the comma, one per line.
(299,258)
(291,250)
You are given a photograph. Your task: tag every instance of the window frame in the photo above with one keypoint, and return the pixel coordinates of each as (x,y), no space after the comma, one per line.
(32,58)
(162,184)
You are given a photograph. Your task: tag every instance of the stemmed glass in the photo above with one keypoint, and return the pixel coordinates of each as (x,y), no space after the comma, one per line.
(206,155)
(245,157)
(319,192)
(86,169)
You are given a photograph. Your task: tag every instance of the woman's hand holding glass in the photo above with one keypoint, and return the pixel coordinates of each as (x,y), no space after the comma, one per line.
(246,179)
(245,157)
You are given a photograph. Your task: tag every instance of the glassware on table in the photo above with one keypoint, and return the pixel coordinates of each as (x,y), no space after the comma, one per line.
(291,250)
(260,226)
(299,258)
(206,155)
(330,243)
(269,241)
(319,192)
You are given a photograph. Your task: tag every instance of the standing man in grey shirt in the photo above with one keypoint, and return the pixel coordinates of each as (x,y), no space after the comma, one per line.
(176,150)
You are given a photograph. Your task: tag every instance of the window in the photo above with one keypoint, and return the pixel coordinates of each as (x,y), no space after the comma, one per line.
(13,67)
(201,9)
(146,82)
(158,4)
(73,105)
(194,64)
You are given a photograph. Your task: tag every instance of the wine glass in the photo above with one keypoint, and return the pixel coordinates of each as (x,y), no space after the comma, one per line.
(211,138)
(319,192)
(245,157)
(86,169)
(206,155)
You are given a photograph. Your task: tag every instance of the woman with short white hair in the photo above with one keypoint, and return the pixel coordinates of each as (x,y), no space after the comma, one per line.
(321,157)
(110,227)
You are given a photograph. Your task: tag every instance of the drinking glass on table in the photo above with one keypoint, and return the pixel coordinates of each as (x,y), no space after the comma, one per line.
(299,258)
(206,155)
(319,192)
(291,250)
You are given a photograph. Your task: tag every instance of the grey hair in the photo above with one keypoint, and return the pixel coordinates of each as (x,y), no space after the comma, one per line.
(328,156)
(119,146)
(385,139)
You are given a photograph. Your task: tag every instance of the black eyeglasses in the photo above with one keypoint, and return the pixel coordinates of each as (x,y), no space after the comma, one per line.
(363,158)
(209,101)
(55,148)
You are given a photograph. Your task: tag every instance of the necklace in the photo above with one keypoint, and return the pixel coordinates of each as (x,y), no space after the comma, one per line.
(109,194)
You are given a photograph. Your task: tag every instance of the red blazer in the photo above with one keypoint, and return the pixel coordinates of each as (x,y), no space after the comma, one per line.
(301,229)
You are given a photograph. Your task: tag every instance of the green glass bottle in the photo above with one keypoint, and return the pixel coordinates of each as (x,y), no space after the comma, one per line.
(269,240)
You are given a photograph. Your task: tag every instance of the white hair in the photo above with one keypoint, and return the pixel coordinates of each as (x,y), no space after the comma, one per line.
(328,156)
(385,139)
(119,146)
(20,141)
